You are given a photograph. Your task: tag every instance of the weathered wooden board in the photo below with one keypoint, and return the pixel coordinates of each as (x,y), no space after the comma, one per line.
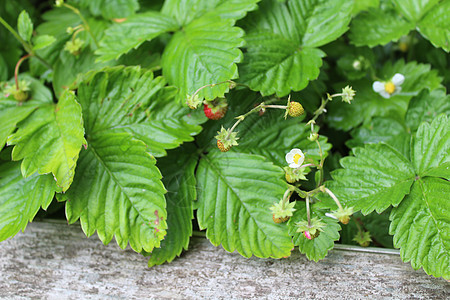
(56,261)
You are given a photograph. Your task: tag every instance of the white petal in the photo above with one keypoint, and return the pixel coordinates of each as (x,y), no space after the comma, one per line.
(290,157)
(294,165)
(385,94)
(398,79)
(378,86)
(330,216)
(297,151)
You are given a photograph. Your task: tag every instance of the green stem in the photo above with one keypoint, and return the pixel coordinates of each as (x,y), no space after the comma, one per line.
(333,196)
(25,45)
(209,85)
(308,213)
(320,169)
(86,24)
(17,36)
(286,197)
(255,109)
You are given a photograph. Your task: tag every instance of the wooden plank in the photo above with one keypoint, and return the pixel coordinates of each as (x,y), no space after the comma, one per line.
(54,260)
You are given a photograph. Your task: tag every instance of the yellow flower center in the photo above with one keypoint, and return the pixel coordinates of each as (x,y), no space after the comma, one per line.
(297,157)
(389,87)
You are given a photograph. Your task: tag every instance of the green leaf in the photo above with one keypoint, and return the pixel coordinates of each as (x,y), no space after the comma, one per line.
(21,198)
(198,55)
(368,104)
(272,137)
(122,37)
(110,9)
(236,193)
(43,41)
(420,225)
(431,152)
(435,26)
(281,40)
(378,27)
(232,9)
(25,26)
(68,70)
(179,178)
(10,115)
(117,191)
(321,22)
(413,10)
(50,140)
(273,64)
(377,177)
(364,5)
(315,249)
(426,107)
(185,11)
(387,130)
(131,100)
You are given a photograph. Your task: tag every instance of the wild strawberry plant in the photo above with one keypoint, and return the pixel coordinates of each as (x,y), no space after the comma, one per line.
(328,121)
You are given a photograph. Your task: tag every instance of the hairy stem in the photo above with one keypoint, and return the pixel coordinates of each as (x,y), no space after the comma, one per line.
(85,23)
(16,70)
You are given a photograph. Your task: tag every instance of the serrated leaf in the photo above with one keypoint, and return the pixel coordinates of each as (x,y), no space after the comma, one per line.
(368,104)
(281,40)
(110,9)
(69,69)
(273,64)
(378,27)
(272,137)
(232,9)
(377,177)
(43,41)
(205,52)
(387,130)
(179,178)
(10,115)
(21,198)
(420,225)
(131,100)
(25,26)
(50,140)
(317,248)
(122,37)
(431,152)
(413,10)
(117,191)
(435,26)
(186,11)
(364,5)
(233,204)
(426,107)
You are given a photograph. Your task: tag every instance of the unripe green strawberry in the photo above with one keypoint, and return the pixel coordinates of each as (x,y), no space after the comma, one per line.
(280,219)
(289,178)
(21,96)
(221,146)
(295,109)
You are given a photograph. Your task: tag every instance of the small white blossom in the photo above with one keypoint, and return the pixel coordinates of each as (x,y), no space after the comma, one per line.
(389,88)
(295,158)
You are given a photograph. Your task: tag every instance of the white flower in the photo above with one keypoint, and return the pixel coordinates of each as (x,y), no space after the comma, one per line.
(389,88)
(295,158)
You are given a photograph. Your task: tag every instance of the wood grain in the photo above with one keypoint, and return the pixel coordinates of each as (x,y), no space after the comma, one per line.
(56,261)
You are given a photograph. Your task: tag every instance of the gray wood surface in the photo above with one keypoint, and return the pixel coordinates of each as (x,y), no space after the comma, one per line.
(56,261)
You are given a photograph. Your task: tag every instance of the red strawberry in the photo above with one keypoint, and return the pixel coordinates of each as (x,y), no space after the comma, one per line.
(216,109)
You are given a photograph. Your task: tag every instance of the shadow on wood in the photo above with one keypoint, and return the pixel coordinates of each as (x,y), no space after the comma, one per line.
(54,260)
